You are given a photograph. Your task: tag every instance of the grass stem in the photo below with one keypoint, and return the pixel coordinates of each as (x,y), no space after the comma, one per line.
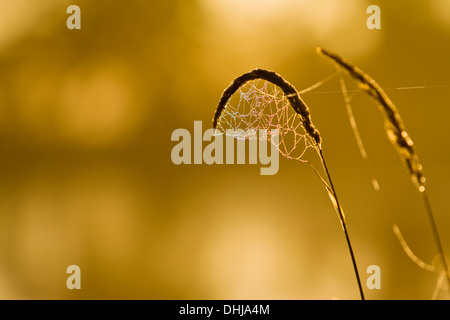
(435,232)
(343,224)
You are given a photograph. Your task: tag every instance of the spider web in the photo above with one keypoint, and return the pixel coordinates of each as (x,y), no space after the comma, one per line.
(261,105)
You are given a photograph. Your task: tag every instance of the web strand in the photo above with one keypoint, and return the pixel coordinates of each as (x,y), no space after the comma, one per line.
(307,91)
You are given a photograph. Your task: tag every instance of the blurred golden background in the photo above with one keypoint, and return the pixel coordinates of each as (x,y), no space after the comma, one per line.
(86,118)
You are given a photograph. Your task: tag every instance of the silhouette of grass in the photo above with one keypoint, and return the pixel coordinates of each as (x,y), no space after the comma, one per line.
(303,111)
(398,136)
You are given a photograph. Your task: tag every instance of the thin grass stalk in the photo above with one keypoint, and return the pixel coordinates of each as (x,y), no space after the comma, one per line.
(344,225)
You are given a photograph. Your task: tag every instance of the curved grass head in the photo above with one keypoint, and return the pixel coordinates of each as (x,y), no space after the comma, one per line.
(397,135)
(395,129)
(265,98)
(262,99)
